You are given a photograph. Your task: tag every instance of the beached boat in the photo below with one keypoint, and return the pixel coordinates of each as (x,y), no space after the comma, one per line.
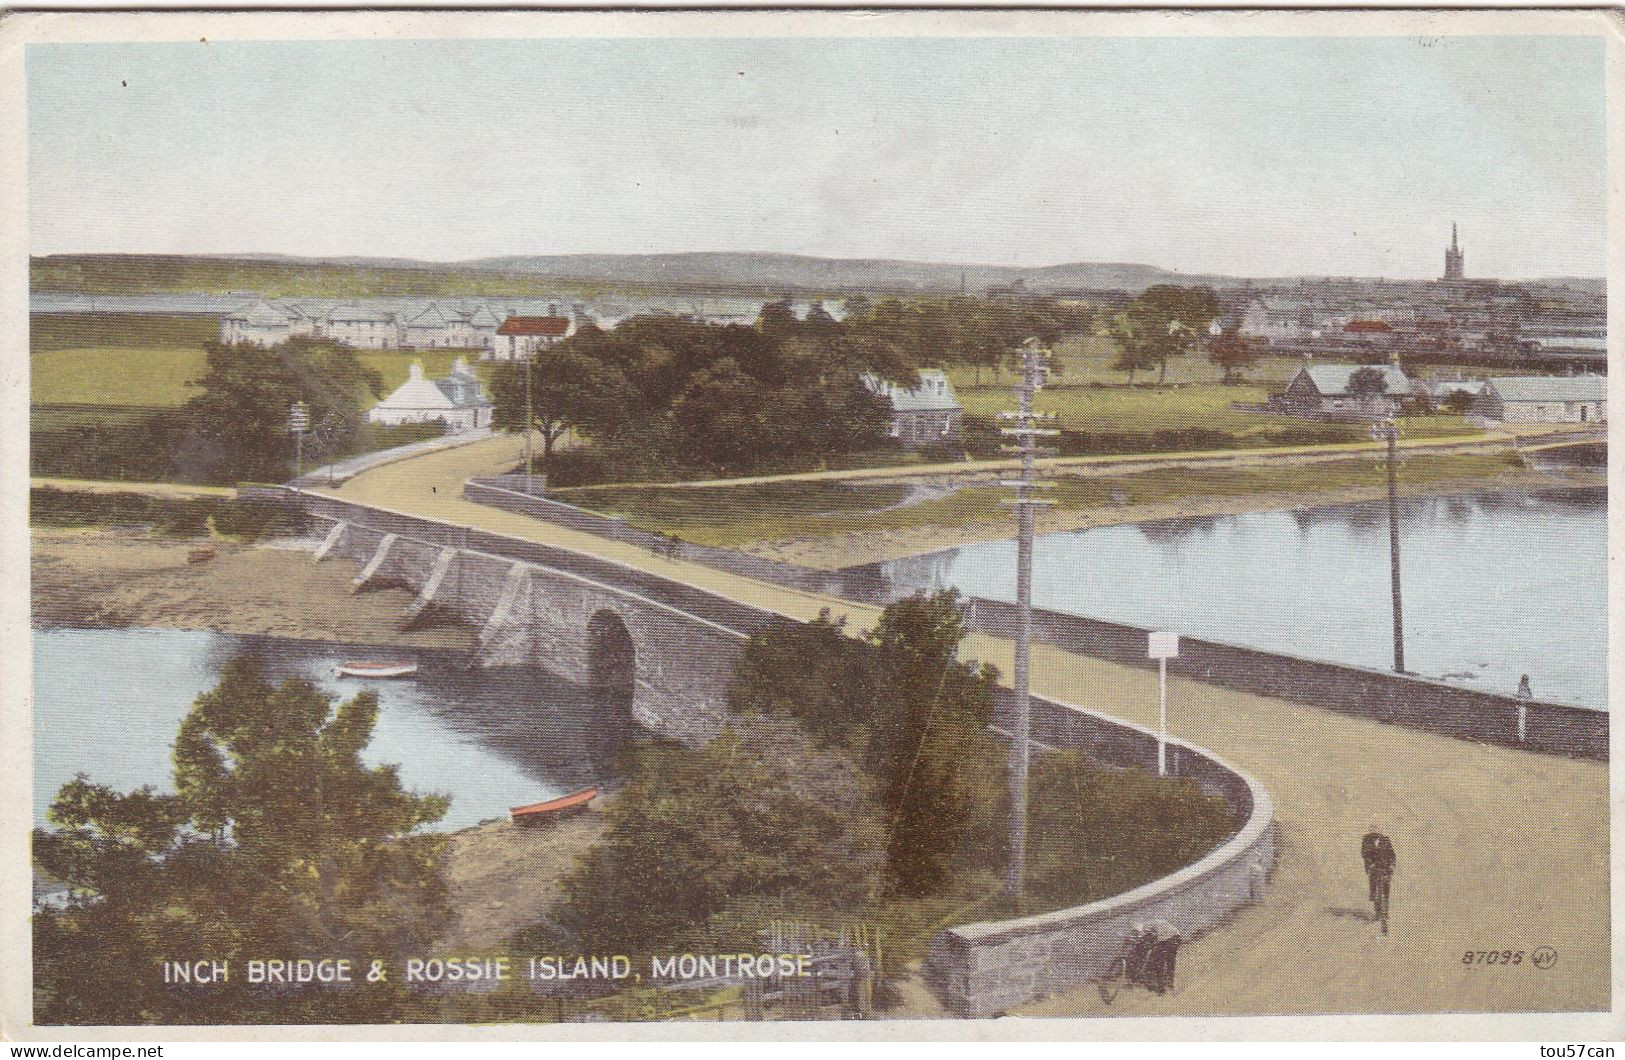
(376,669)
(553,809)
(200,555)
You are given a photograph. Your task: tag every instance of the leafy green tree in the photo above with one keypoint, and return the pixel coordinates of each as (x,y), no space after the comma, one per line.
(758,819)
(569,388)
(277,842)
(1168,320)
(1136,351)
(907,708)
(929,745)
(239,422)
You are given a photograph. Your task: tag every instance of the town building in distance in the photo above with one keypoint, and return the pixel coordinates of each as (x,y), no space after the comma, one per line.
(1456,319)
(370,325)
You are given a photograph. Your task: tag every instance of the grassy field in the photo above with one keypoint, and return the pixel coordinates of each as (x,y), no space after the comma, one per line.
(1203,406)
(115,375)
(736,515)
(68,331)
(1086,360)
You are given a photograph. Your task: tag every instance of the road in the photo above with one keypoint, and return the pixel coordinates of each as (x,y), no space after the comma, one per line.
(1498,849)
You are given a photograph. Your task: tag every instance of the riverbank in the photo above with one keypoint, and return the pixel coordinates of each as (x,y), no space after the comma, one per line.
(838,551)
(98,577)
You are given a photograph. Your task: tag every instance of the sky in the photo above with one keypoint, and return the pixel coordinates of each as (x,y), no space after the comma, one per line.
(1247,156)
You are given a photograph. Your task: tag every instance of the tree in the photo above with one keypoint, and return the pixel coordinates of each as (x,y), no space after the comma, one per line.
(757,818)
(1368,382)
(278,841)
(1459,402)
(1167,320)
(929,746)
(1233,353)
(569,388)
(1135,351)
(907,708)
(240,419)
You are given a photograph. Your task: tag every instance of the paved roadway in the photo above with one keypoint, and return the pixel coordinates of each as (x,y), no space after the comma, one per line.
(1498,849)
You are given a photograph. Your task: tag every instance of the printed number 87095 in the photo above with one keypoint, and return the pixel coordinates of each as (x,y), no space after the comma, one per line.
(1492,957)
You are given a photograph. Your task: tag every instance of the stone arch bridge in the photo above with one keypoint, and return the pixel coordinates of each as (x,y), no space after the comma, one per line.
(664,649)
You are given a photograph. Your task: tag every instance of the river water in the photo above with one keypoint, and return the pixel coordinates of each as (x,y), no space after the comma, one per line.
(107,702)
(1495,585)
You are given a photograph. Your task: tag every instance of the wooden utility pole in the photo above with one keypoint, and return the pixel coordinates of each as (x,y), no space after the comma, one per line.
(1388,431)
(1026,433)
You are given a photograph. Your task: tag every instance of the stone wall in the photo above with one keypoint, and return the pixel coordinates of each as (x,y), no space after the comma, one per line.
(1382,695)
(985,969)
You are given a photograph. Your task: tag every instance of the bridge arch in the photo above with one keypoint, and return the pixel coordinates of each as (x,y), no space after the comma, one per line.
(612,659)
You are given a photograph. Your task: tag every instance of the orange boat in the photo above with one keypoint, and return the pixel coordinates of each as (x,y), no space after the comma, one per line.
(552,809)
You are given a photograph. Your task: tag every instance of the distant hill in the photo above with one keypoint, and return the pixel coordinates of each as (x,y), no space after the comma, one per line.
(146,273)
(759,274)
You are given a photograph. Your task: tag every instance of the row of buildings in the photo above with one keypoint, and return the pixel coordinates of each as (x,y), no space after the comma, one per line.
(1353,391)
(494,334)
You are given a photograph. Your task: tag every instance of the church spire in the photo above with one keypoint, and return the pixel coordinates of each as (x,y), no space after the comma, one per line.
(1453,245)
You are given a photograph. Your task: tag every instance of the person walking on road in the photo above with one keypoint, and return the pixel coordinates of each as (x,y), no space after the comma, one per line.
(1377,852)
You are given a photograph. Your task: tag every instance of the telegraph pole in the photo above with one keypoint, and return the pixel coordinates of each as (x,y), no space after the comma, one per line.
(1026,433)
(529,423)
(1388,431)
(298,423)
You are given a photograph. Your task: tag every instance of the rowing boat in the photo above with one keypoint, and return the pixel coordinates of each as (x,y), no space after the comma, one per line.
(376,669)
(552,809)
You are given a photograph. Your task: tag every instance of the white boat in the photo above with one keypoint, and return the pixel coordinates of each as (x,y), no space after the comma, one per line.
(376,669)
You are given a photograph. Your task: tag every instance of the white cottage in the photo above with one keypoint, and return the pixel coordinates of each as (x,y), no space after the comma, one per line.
(458,401)
(928,413)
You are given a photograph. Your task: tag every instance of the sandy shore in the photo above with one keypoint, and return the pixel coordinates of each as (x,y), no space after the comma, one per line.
(502,877)
(127,578)
(848,550)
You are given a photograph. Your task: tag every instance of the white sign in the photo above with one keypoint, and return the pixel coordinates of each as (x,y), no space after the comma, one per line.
(1162,646)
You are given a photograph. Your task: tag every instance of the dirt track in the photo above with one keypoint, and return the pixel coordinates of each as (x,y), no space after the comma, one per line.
(1498,849)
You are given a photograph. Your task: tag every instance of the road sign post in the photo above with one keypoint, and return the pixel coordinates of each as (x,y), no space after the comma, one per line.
(1162,647)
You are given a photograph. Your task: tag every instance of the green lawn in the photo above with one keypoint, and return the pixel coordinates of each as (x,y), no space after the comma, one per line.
(1083,360)
(67,331)
(115,375)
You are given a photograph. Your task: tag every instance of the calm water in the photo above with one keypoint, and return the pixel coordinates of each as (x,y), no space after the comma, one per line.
(1495,585)
(107,702)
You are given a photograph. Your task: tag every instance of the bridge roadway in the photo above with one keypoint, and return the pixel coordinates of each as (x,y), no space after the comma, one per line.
(1498,849)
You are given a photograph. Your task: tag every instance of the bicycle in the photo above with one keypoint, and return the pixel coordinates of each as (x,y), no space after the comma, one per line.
(1126,969)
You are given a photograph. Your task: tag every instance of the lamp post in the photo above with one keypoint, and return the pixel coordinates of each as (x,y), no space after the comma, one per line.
(1026,433)
(1388,431)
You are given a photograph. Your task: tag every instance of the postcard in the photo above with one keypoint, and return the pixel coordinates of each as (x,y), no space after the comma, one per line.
(836,524)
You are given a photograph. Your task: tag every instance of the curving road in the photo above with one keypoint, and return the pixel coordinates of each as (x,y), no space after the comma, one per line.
(1498,849)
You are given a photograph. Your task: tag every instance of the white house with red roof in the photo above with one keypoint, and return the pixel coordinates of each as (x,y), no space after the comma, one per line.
(458,401)
(518,338)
